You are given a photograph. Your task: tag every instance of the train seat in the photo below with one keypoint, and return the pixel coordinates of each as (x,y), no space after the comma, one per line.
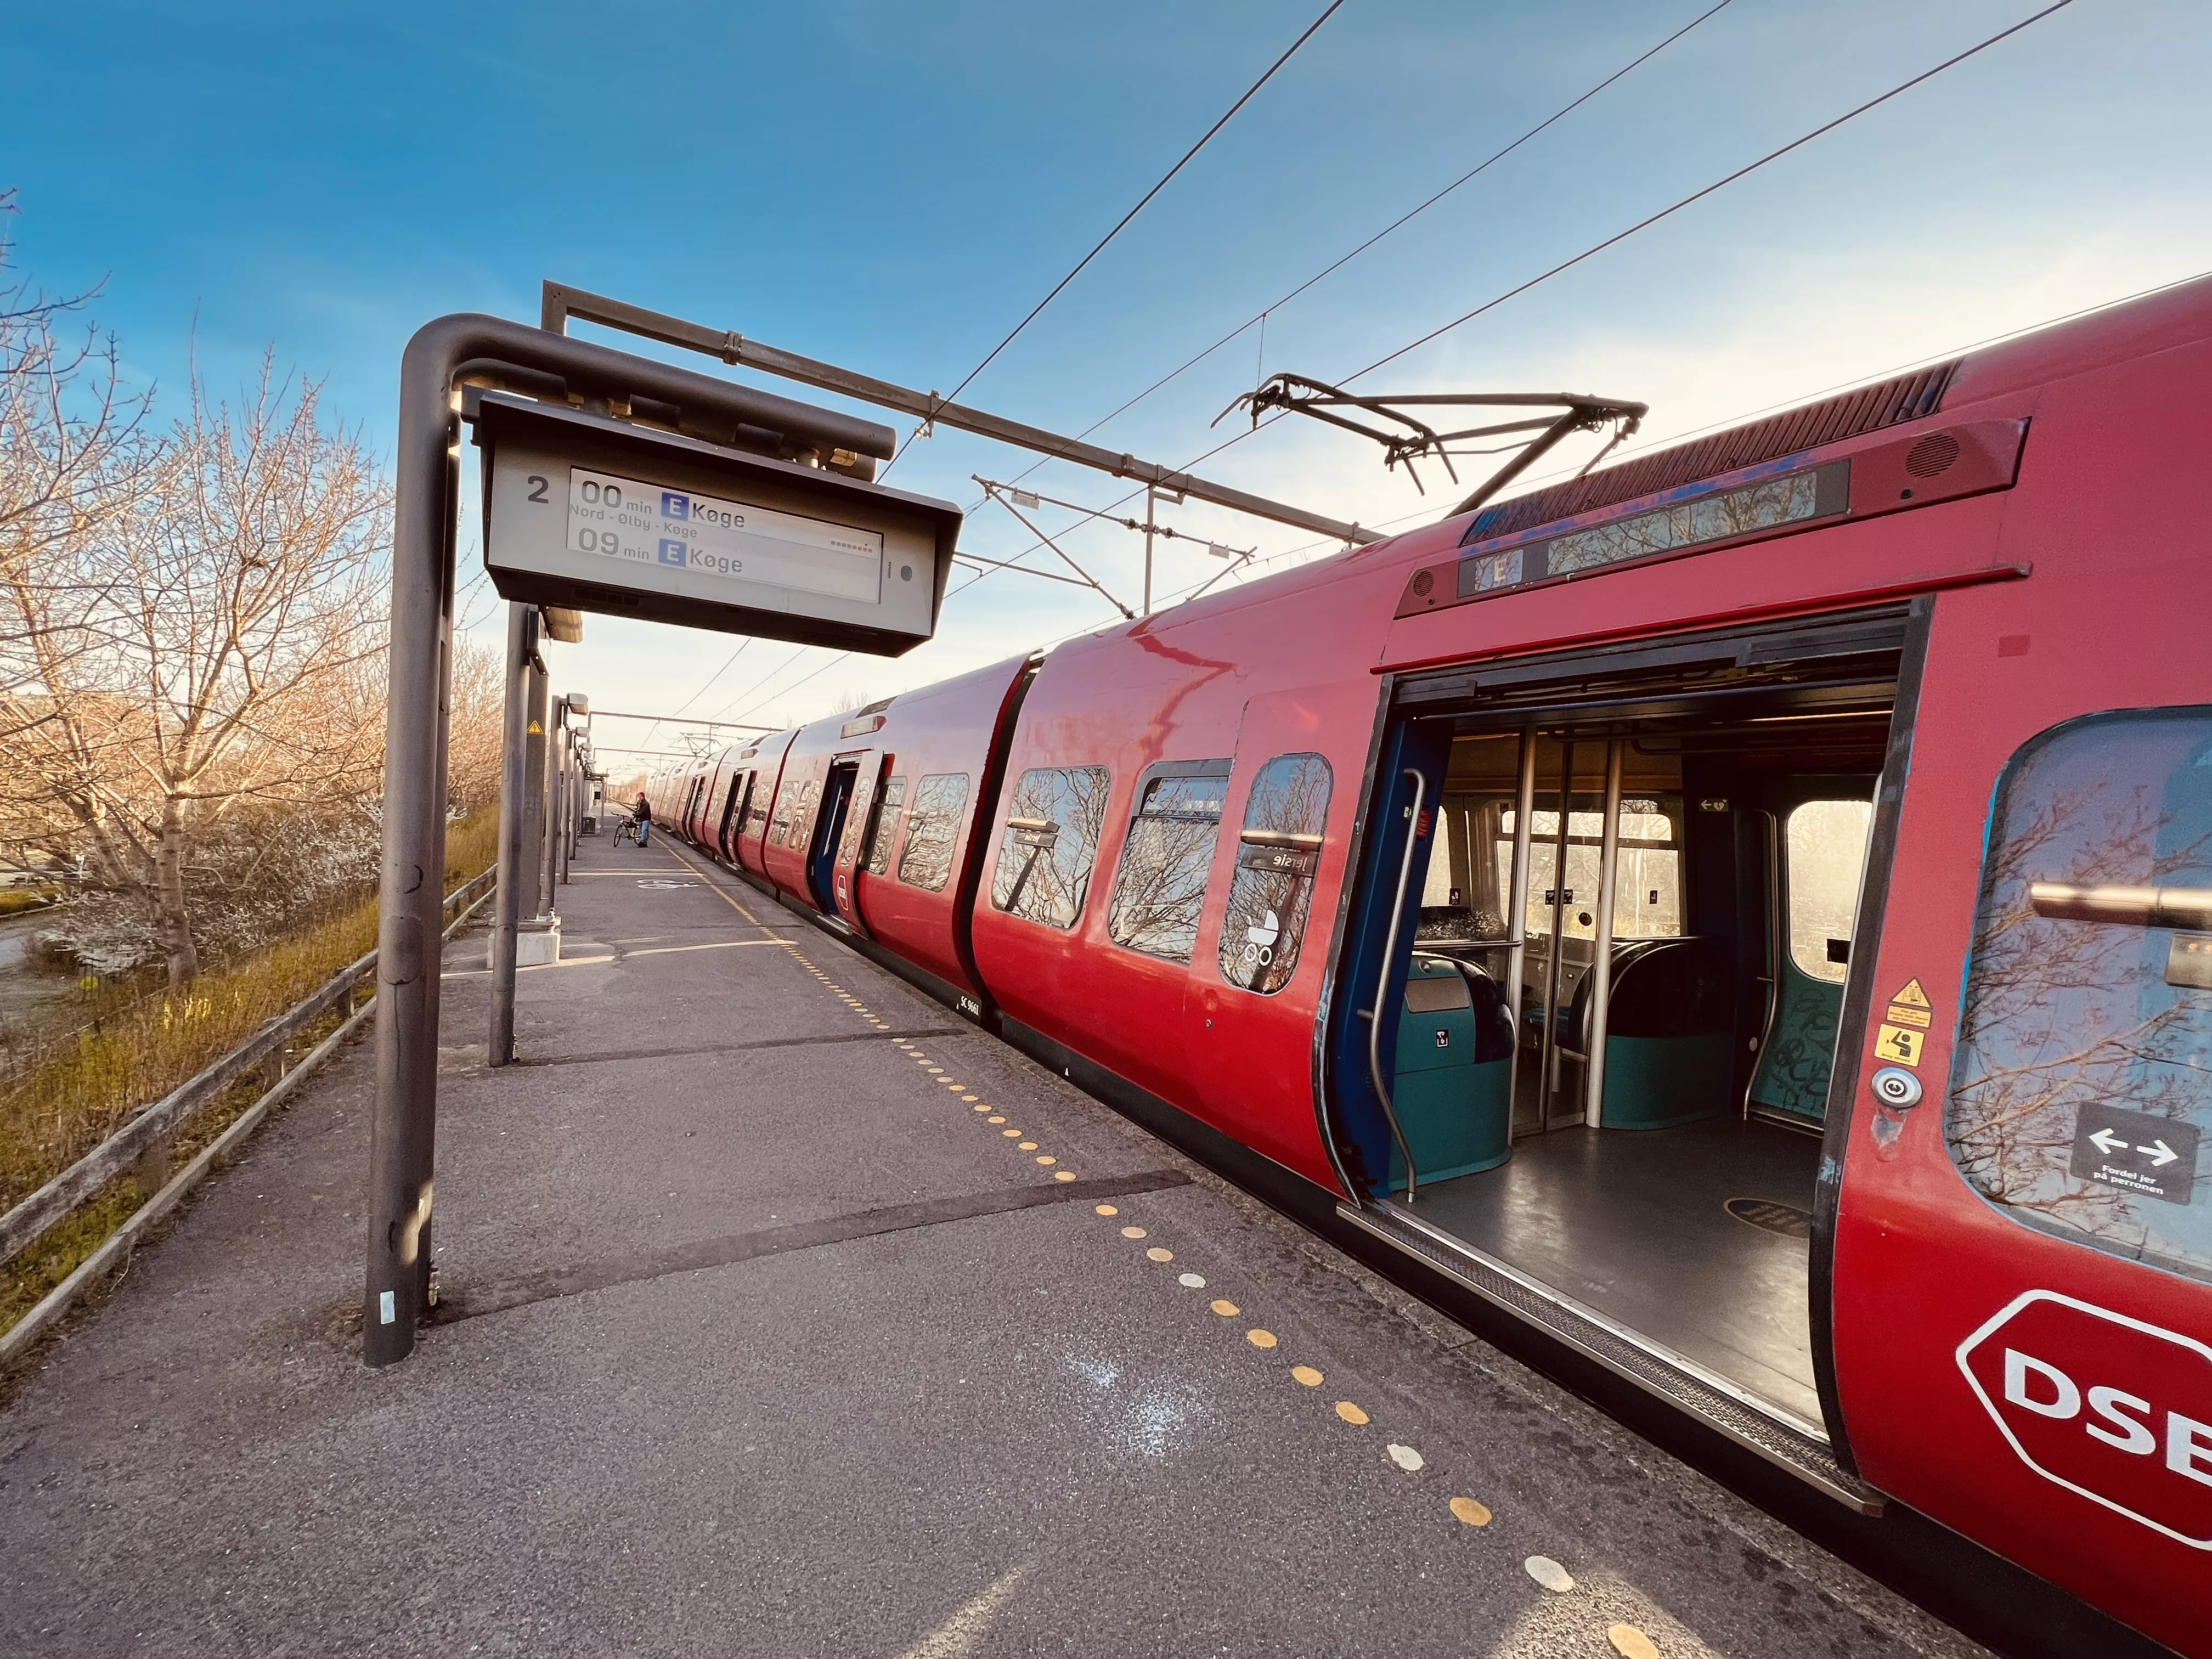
(1668,1033)
(1454,1064)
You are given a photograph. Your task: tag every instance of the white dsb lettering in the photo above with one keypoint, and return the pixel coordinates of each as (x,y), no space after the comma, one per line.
(2038,1385)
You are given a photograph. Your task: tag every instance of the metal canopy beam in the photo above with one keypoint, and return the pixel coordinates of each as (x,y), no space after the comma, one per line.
(562,303)
(684,719)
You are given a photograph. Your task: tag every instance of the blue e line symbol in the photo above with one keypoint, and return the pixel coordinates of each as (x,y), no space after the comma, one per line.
(675,504)
(671,552)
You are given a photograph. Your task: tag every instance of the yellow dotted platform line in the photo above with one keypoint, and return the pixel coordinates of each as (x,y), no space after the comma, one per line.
(1466,1510)
(1626,1639)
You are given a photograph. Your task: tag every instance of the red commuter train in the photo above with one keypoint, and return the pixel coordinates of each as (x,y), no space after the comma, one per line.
(1746,913)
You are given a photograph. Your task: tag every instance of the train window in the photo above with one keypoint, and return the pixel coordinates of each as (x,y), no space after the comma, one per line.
(850,842)
(1824,849)
(1647,892)
(1161,888)
(1051,841)
(786,798)
(883,826)
(758,818)
(933,830)
(802,812)
(1278,854)
(2082,1087)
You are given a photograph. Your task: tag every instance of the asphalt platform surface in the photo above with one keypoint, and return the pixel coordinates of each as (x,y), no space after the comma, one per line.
(772,1323)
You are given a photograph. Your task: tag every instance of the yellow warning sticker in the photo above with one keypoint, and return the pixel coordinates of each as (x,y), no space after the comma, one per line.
(1900,1046)
(1912,996)
(536,730)
(1900,1015)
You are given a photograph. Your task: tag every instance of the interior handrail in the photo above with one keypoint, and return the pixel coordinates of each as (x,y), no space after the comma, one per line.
(1382,984)
(2187,908)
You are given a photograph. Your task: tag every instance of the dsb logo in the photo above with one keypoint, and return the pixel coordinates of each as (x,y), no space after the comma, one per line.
(2107,1406)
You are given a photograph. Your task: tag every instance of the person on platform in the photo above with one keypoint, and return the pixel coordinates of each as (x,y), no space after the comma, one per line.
(644,815)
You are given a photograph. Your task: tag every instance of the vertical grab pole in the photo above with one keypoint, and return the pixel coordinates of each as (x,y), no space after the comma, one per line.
(1548,1080)
(1382,981)
(506,908)
(1516,916)
(1601,960)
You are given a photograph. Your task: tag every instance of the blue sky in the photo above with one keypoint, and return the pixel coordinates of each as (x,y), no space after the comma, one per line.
(892,186)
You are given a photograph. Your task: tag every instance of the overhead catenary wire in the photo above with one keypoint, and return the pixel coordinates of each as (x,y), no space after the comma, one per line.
(1661,440)
(818,672)
(727,664)
(1718,184)
(1620,236)
(1260,317)
(1311,28)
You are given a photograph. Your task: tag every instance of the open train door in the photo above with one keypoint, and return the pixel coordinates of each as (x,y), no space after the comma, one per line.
(841,890)
(2023,1322)
(1256,984)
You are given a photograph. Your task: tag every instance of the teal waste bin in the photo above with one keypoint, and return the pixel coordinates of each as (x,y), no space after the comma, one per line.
(1453,1074)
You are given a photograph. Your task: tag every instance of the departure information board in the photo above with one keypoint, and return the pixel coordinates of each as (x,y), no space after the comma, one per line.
(591,512)
(618,517)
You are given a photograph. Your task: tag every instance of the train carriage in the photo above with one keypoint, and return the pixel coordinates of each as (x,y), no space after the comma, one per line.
(1746,913)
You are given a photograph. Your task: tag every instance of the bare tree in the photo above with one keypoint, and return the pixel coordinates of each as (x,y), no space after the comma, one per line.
(72,456)
(215,645)
(478,728)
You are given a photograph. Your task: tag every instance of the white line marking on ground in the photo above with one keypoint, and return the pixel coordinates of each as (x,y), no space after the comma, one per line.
(959,1636)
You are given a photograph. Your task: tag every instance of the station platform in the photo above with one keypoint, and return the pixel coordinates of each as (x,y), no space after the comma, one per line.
(783,1314)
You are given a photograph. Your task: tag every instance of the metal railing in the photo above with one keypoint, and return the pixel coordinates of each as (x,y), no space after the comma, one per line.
(142,1146)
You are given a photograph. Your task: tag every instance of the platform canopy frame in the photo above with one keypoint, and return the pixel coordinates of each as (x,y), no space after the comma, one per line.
(444,359)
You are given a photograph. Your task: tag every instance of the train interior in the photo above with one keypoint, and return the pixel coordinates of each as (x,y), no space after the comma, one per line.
(1638,1129)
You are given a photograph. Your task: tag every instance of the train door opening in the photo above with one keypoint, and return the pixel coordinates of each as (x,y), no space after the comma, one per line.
(1614,932)
(861,812)
(829,831)
(733,816)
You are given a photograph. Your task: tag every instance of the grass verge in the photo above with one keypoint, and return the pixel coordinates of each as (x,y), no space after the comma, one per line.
(53,1114)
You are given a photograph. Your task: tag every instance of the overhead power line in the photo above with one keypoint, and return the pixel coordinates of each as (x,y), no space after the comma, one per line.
(1718,184)
(1402,219)
(759,683)
(1119,225)
(800,681)
(727,662)
(1796,144)
(1329,269)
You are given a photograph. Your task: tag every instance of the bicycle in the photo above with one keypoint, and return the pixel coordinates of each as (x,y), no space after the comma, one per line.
(626,830)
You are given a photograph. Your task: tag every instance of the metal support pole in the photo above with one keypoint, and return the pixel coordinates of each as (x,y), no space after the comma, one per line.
(534,791)
(1516,908)
(1608,871)
(410,898)
(1550,1073)
(568,800)
(1150,525)
(548,796)
(513,817)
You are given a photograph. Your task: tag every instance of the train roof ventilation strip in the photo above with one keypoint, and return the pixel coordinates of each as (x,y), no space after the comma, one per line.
(1847,415)
(1526,440)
